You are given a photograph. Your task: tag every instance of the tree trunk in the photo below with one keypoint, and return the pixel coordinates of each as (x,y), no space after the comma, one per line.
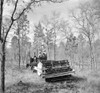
(91,54)
(82,62)
(79,62)
(54,52)
(48,53)
(19,52)
(19,59)
(55,46)
(3,69)
(3,51)
(1,14)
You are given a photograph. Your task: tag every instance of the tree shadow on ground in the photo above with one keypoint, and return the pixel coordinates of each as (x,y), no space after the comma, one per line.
(68,79)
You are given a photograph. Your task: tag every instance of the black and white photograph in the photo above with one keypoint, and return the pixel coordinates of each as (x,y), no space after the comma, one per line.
(49,46)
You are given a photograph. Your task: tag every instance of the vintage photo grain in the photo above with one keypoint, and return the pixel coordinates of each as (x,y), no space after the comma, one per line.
(49,46)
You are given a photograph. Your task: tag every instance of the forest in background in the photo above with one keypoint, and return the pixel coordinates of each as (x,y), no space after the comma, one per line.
(76,39)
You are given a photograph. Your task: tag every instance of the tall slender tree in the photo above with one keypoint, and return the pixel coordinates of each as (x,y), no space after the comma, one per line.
(21,32)
(38,37)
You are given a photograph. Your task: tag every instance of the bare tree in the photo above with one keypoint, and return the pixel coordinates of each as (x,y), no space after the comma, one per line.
(86,24)
(81,43)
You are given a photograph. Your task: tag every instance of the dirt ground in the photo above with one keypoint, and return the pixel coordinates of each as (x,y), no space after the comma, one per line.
(25,81)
